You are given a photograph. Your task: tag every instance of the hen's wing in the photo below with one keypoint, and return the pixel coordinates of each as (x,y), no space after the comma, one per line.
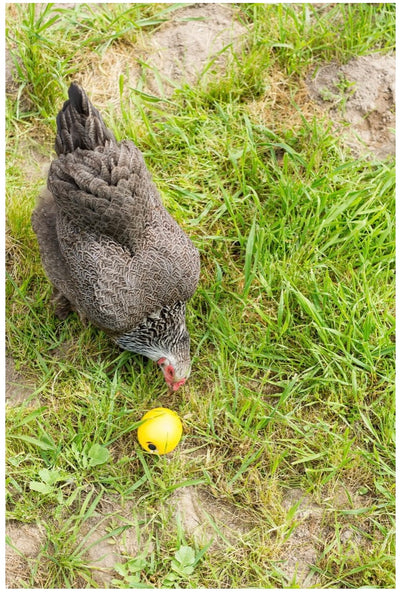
(126,255)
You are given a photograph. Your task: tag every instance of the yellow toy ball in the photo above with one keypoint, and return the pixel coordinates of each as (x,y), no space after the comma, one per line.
(160,431)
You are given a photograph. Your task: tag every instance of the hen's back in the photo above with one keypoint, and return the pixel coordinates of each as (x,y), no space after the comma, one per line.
(123,256)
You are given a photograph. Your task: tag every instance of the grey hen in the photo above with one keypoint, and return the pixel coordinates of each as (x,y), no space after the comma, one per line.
(111,250)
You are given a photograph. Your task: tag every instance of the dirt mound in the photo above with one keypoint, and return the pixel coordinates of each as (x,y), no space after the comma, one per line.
(200,514)
(360,97)
(24,543)
(182,48)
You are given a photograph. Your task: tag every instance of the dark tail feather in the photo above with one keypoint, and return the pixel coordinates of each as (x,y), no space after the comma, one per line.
(79,124)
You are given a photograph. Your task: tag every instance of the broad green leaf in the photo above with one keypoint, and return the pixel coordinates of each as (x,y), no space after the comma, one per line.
(49,476)
(98,455)
(185,556)
(41,487)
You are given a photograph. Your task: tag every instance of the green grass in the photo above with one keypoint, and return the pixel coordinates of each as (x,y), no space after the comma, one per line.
(292,325)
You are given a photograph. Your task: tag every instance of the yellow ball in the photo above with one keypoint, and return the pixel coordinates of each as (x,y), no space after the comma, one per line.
(160,431)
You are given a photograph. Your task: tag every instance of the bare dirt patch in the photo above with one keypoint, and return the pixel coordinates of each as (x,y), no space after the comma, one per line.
(301,549)
(103,550)
(22,550)
(184,46)
(313,529)
(360,97)
(207,518)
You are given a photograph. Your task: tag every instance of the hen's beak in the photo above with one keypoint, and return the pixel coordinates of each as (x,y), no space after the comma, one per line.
(175,386)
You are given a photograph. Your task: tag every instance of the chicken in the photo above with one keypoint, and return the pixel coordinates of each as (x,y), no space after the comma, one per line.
(111,250)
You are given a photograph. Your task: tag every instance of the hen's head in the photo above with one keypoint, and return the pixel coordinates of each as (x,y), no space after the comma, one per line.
(163,337)
(175,373)
(173,345)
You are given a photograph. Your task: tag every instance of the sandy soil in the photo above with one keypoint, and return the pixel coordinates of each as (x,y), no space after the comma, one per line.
(27,541)
(360,97)
(182,48)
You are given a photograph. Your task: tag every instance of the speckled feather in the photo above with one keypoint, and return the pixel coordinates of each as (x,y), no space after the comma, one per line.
(110,248)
